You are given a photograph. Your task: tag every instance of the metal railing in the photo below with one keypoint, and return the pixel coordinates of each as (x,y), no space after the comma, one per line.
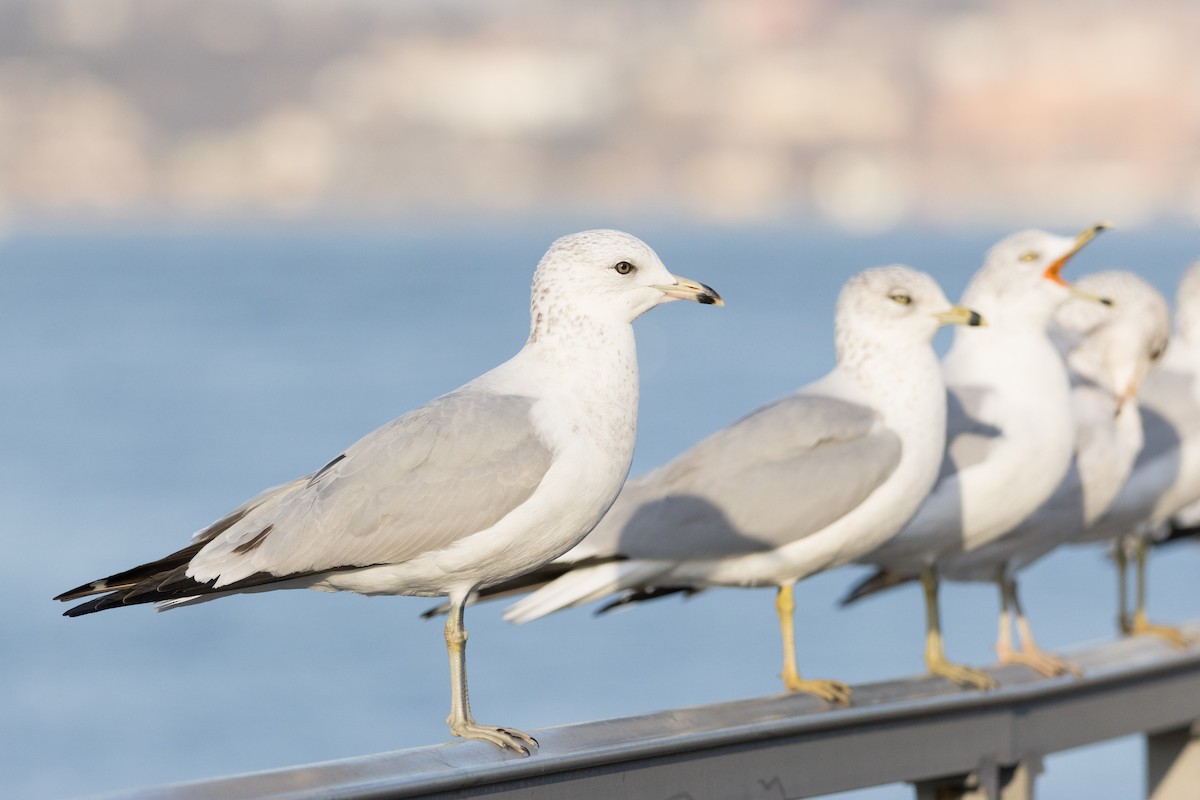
(948,742)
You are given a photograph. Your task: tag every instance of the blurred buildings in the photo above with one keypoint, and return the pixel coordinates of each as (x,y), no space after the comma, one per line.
(865,114)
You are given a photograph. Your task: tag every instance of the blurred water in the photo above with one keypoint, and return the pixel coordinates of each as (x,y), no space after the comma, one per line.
(153,381)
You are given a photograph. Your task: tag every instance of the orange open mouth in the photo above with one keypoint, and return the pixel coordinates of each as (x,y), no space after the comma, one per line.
(1053,272)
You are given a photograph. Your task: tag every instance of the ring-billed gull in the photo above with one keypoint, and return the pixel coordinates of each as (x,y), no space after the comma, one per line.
(1166,475)
(1109,350)
(804,484)
(473,488)
(1010,432)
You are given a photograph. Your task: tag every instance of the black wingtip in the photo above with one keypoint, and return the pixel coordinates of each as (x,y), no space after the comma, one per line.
(436,611)
(90,607)
(877,581)
(1179,533)
(643,595)
(81,591)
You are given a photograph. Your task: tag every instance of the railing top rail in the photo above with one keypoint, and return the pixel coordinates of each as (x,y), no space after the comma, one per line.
(908,729)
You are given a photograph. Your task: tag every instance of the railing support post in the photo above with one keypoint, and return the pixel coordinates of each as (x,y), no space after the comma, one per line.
(988,782)
(1173,763)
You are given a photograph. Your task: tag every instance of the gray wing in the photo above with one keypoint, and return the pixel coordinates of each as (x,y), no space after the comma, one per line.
(780,474)
(1169,395)
(969,439)
(440,473)
(1168,412)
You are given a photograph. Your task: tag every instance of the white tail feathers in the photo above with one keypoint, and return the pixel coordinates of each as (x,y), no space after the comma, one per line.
(581,586)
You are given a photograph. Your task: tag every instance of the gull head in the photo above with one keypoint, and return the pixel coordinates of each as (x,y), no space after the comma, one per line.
(1021,278)
(607,275)
(1113,346)
(893,307)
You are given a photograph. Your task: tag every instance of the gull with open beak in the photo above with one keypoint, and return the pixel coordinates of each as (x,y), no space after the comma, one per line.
(1011,431)
(472,489)
(804,484)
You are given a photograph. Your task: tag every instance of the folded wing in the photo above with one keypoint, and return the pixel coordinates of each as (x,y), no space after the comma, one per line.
(435,476)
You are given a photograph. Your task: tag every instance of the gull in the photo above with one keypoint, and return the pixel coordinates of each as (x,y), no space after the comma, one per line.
(1165,481)
(1010,435)
(473,488)
(804,484)
(1109,350)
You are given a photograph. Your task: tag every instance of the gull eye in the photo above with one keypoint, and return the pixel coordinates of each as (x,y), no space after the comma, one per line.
(1028,255)
(623,267)
(1156,354)
(901,298)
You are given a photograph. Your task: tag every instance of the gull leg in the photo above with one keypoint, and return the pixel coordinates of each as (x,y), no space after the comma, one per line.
(935,654)
(1124,624)
(1140,625)
(460,720)
(830,691)
(1030,654)
(1004,647)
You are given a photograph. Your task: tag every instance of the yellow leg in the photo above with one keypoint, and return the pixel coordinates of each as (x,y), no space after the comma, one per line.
(935,654)
(460,719)
(1124,623)
(830,691)
(1004,645)
(1139,624)
(1029,653)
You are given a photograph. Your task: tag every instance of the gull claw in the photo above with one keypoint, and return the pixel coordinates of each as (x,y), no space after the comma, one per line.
(834,692)
(519,742)
(1047,664)
(1173,636)
(967,677)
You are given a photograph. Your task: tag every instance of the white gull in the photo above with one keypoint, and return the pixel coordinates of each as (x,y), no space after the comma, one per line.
(807,483)
(1010,434)
(1109,350)
(475,487)
(1165,481)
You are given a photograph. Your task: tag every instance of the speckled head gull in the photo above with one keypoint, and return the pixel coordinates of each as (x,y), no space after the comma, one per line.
(891,308)
(606,274)
(802,485)
(1113,347)
(475,487)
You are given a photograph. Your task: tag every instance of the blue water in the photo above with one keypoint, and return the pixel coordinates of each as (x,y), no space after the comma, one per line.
(153,381)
